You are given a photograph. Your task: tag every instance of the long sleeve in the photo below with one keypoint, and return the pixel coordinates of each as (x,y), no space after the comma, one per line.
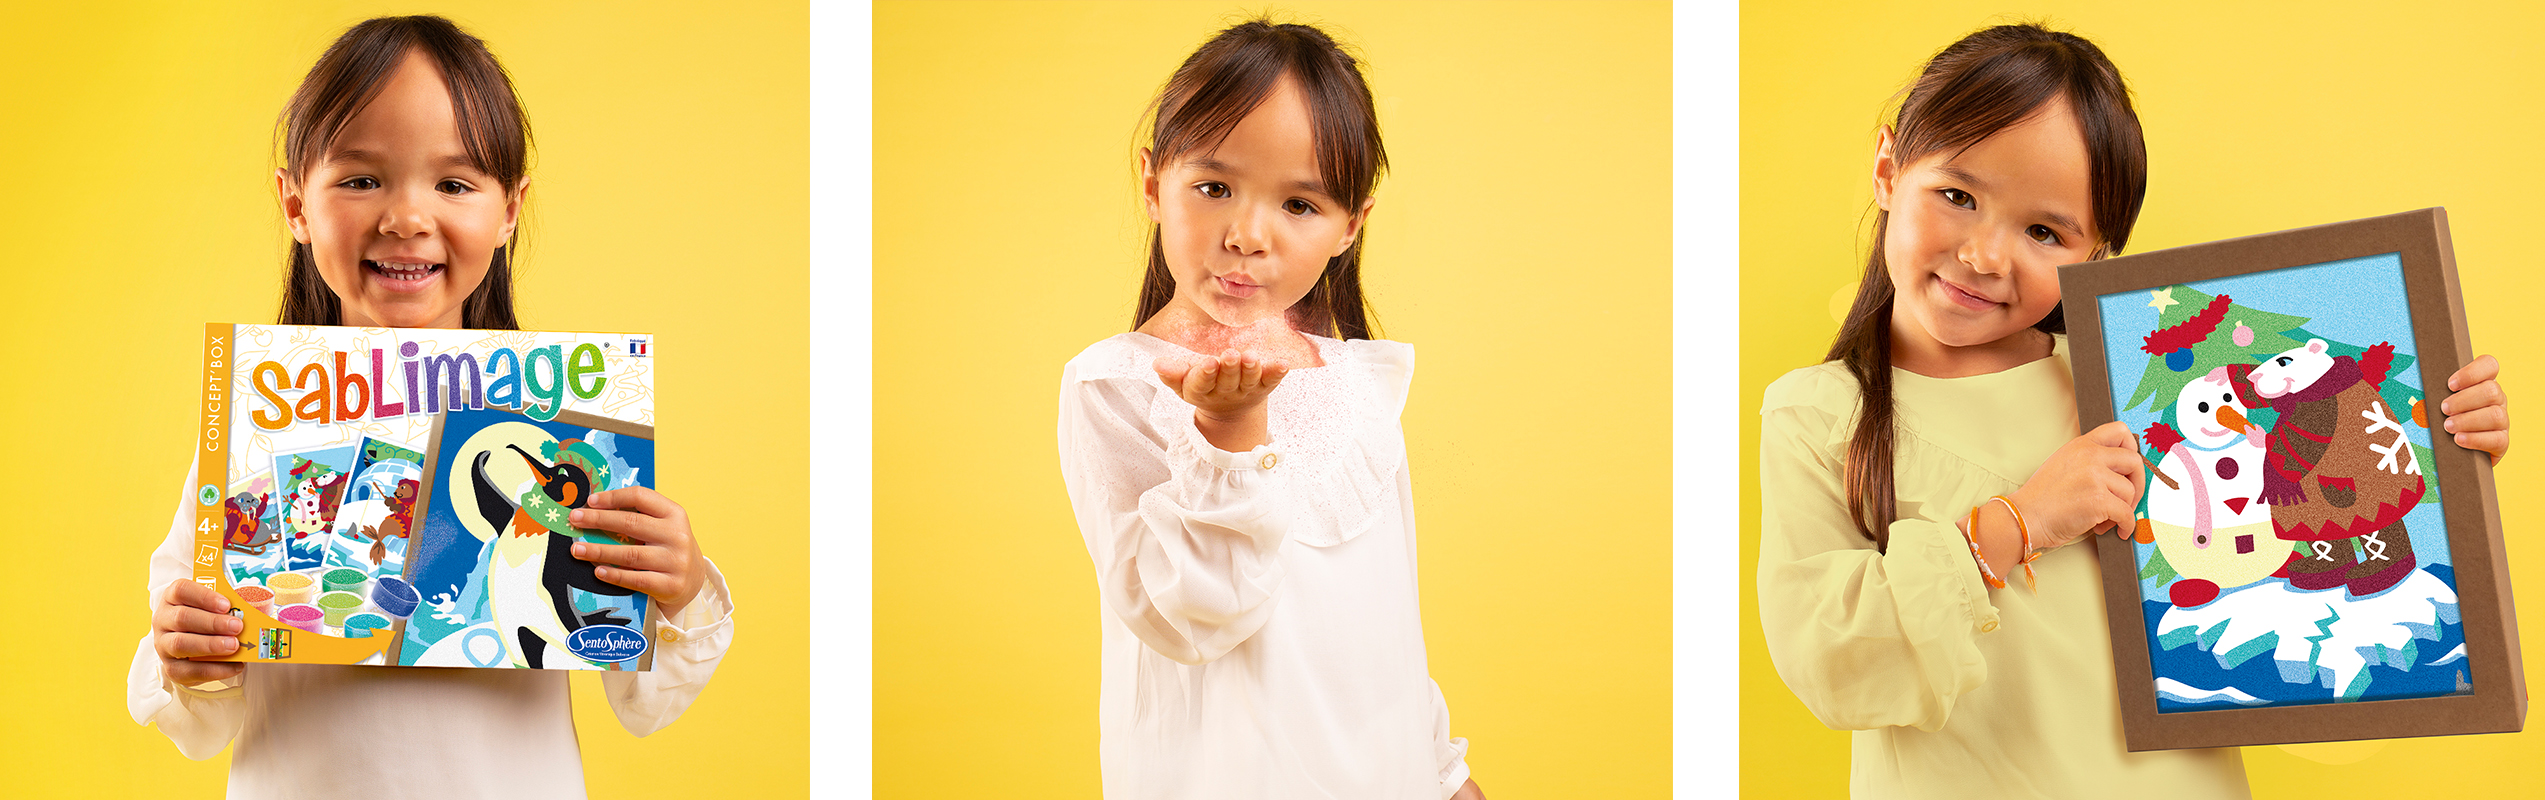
(1186,538)
(200,720)
(1865,639)
(1451,750)
(686,652)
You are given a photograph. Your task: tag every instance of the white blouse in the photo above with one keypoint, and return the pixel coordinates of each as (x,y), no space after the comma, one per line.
(1262,637)
(321,731)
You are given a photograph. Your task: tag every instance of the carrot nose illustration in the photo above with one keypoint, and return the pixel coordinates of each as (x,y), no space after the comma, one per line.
(2227,416)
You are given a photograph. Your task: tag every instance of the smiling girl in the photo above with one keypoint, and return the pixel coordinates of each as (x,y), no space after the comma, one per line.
(405,164)
(1935,458)
(1236,463)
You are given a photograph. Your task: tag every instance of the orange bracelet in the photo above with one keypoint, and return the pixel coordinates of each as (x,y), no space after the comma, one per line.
(2026,532)
(1970,535)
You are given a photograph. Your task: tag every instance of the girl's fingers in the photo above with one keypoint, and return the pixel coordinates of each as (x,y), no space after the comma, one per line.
(2481,369)
(629,524)
(653,584)
(1229,371)
(1273,371)
(1252,374)
(195,595)
(174,644)
(1171,372)
(188,619)
(638,499)
(2486,418)
(2495,442)
(644,557)
(2487,393)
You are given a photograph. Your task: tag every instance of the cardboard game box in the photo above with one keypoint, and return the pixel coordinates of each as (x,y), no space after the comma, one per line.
(398,496)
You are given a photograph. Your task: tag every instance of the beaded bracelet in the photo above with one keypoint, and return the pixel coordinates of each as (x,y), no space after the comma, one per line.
(1970,535)
(2026,532)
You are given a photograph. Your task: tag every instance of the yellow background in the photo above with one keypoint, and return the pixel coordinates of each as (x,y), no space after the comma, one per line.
(1521,244)
(2257,120)
(668,195)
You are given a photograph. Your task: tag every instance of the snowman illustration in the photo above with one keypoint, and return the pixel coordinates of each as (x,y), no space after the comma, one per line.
(2203,503)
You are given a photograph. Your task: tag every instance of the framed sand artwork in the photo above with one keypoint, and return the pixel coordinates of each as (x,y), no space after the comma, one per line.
(2310,563)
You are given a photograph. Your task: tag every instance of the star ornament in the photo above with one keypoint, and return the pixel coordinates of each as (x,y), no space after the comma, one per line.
(2159,299)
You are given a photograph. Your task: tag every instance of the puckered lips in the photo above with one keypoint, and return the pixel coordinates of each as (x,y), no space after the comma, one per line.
(404,275)
(1236,285)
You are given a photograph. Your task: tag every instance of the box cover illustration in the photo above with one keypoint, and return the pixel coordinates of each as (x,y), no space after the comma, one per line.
(398,496)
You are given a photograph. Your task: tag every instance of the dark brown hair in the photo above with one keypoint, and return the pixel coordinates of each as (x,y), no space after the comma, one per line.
(1218,86)
(493,131)
(1969,91)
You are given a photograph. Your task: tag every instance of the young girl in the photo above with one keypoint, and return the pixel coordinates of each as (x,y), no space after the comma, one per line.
(405,154)
(2015,151)
(1236,464)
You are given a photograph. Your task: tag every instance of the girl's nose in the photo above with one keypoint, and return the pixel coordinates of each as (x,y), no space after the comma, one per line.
(405,217)
(1985,251)
(1246,233)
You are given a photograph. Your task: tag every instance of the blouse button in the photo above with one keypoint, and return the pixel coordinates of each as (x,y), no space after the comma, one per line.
(667,633)
(1988,626)
(1270,459)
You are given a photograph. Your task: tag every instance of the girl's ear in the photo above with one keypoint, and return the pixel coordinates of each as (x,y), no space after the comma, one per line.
(1352,229)
(512,208)
(1885,169)
(1149,182)
(295,214)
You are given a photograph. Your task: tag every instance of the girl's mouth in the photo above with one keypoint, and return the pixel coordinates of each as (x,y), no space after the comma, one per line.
(1236,289)
(401,274)
(1965,297)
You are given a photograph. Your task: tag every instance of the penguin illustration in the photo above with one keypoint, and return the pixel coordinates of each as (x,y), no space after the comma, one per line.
(533,562)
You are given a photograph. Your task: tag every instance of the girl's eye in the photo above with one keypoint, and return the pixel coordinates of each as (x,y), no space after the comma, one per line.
(1959,198)
(1213,190)
(362,183)
(452,187)
(2043,234)
(1298,207)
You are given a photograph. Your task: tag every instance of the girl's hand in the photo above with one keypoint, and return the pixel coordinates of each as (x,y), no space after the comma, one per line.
(2091,482)
(1468,791)
(1227,394)
(665,562)
(2478,413)
(193,620)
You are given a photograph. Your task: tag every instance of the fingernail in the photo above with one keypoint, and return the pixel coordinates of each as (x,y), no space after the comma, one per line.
(578,550)
(233,626)
(575,516)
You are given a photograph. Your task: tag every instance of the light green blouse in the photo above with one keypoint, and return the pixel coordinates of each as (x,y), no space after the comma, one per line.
(1952,689)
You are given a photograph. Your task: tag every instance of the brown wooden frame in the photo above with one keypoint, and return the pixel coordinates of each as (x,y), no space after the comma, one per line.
(2498,700)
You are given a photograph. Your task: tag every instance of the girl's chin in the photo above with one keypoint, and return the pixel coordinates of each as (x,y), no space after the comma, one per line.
(410,315)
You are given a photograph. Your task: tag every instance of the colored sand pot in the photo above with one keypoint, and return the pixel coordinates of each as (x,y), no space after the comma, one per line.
(339,605)
(305,618)
(360,626)
(344,579)
(258,597)
(395,597)
(292,589)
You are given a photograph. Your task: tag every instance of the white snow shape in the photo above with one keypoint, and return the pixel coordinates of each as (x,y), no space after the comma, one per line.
(2379,420)
(2452,656)
(2181,692)
(2328,638)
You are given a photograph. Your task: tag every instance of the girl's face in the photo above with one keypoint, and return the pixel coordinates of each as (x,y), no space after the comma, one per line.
(1247,228)
(1976,237)
(402,227)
